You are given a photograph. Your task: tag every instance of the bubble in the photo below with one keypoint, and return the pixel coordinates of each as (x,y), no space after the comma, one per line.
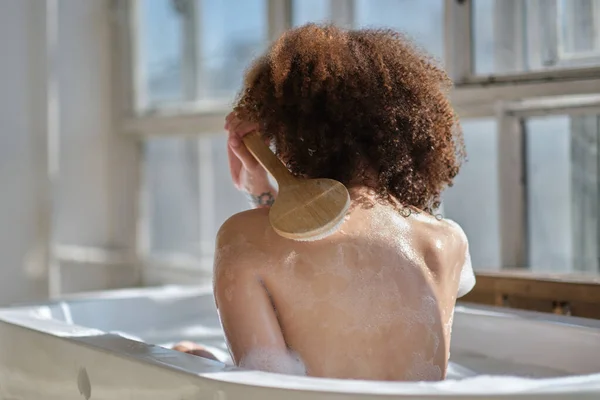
(423,370)
(273,360)
(290,259)
(448,325)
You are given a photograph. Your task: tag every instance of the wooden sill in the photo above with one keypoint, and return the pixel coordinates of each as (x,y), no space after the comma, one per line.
(566,294)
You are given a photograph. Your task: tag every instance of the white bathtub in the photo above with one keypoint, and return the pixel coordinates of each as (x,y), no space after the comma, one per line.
(65,350)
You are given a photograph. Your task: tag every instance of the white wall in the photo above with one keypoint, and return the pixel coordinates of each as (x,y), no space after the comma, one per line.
(17,152)
(95,191)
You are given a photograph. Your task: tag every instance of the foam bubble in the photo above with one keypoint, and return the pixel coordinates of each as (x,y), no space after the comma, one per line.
(290,259)
(271,360)
(448,325)
(467,277)
(423,370)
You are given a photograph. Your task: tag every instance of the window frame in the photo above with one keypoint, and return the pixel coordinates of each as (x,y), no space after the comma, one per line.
(595,55)
(507,98)
(477,95)
(512,171)
(138,121)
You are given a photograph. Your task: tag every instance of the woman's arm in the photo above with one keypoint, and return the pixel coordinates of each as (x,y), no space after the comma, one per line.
(253,334)
(247,174)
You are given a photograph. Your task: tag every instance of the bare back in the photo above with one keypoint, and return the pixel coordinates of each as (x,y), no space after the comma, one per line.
(373,301)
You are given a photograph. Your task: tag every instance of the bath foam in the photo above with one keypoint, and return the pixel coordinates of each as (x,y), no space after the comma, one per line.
(289,260)
(270,360)
(467,276)
(358,288)
(423,370)
(419,318)
(448,325)
(466,281)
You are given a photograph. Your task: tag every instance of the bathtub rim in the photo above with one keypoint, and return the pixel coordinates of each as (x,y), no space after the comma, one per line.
(167,291)
(219,372)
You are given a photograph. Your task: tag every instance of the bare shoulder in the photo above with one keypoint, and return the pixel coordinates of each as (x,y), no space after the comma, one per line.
(241,242)
(444,232)
(455,231)
(447,246)
(245,222)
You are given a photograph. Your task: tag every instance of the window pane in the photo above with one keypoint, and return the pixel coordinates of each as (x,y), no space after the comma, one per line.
(562,193)
(473,200)
(232,33)
(228,200)
(532,35)
(483,36)
(197,51)
(162,44)
(422,20)
(579,30)
(189,194)
(305,11)
(172,182)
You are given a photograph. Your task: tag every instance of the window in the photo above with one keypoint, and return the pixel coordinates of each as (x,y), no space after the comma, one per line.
(579,29)
(562,192)
(188,196)
(229,35)
(162,51)
(422,20)
(529,35)
(196,51)
(172,181)
(527,78)
(473,199)
(305,11)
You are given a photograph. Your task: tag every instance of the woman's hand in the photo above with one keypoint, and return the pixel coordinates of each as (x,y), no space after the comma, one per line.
(247,173)
(194,349)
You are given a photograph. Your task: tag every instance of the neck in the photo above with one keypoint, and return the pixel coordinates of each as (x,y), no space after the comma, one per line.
(364,194)
(361,191)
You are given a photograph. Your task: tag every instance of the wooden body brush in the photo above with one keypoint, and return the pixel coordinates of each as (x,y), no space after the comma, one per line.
(305,209)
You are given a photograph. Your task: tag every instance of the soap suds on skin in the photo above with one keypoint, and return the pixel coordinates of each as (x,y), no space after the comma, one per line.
(287,362)
(382,315)
(423,370)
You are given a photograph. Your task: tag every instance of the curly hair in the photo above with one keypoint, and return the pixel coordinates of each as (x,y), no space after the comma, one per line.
(359,106)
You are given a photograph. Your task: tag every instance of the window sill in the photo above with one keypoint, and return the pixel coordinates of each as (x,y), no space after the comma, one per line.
(566,294)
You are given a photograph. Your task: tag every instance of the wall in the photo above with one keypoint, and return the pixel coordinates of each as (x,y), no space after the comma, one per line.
(18,142)
(95,190)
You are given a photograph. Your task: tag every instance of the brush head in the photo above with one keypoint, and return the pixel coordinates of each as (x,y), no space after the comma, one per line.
(309,209)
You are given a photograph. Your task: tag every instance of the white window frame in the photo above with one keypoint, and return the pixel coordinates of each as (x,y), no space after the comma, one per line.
(512,171)
(477,95)
(594,55)
(187,119)
(507,98)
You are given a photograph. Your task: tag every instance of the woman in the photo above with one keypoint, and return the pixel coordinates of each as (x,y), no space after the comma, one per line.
(375,299)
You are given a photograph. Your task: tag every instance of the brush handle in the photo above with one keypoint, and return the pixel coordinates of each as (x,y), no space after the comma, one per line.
(263,154)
